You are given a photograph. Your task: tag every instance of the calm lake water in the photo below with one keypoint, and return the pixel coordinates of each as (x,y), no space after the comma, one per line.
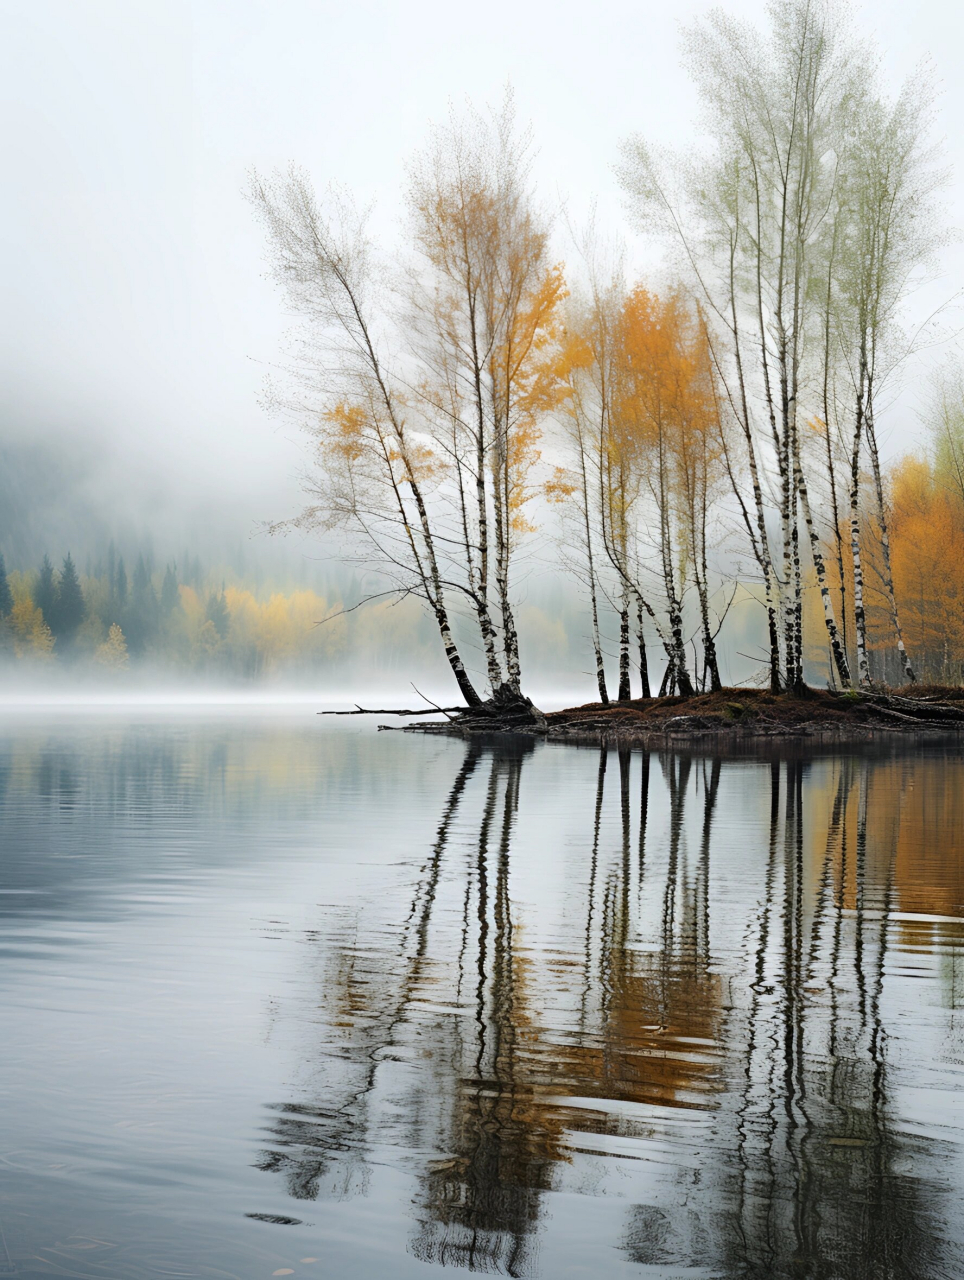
(283,997)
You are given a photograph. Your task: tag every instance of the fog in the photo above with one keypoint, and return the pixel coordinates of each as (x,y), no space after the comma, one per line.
(138,325)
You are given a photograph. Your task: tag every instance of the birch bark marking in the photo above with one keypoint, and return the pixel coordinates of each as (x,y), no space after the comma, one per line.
(836,646)
(674,608)
(641,640)
(860,621)
(625,693)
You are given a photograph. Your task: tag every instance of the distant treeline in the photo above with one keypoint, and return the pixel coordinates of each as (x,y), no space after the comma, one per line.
(116,615)
(182,616)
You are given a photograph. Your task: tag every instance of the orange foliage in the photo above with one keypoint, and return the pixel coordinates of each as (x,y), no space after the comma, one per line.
(527,375)
(927,541)
(665,382)
(664,407)
(345,430)
(926,526)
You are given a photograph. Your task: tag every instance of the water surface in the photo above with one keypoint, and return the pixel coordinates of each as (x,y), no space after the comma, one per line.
(279,997)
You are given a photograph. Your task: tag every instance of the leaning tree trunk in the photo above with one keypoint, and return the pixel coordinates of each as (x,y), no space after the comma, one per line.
(709,644)
(433,580)
(669,647)
(760,542)
(836,646)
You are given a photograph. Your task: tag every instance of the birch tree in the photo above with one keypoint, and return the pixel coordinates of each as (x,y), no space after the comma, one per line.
(889,234)
(483,297)
(373,472)
(749,222)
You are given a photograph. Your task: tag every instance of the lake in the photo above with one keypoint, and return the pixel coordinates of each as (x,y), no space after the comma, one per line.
(284,996)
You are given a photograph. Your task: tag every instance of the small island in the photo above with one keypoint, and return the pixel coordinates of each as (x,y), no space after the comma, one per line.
(727,716)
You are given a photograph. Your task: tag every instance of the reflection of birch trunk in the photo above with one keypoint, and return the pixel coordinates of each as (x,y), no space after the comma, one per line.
(643,813)
(710,791)
(591,891)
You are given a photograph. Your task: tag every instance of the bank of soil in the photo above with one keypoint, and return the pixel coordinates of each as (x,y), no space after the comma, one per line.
(732,715)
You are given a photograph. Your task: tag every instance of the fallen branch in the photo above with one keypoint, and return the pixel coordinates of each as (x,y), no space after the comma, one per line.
(389,711)
(911,708)
(880,710)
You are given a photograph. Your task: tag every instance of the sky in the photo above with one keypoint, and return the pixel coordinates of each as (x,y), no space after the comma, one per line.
(138,325)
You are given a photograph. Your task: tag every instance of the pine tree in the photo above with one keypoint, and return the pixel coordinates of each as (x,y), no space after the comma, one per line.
(142,590)
(142,615)
(169,593)
(70,608)
(45,593)
(217,613)
(120,584)
(6,596)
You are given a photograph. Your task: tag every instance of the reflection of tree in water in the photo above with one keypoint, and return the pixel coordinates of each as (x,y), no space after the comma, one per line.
(486,1087)
(479,1207)
(456,1041)
(822,1184)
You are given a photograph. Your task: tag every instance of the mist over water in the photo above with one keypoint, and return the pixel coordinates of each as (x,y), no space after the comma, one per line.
(277,989)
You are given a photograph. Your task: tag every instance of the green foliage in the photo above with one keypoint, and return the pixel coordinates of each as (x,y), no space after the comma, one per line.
(69,609)
(944,418)
(120,584)
(45,591)
(170,599)
(736,711)
(140,619)
(6,595)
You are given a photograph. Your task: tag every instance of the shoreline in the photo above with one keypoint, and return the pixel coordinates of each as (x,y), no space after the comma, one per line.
(730,718)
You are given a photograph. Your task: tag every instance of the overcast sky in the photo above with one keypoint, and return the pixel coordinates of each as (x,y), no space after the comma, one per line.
(136,315)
